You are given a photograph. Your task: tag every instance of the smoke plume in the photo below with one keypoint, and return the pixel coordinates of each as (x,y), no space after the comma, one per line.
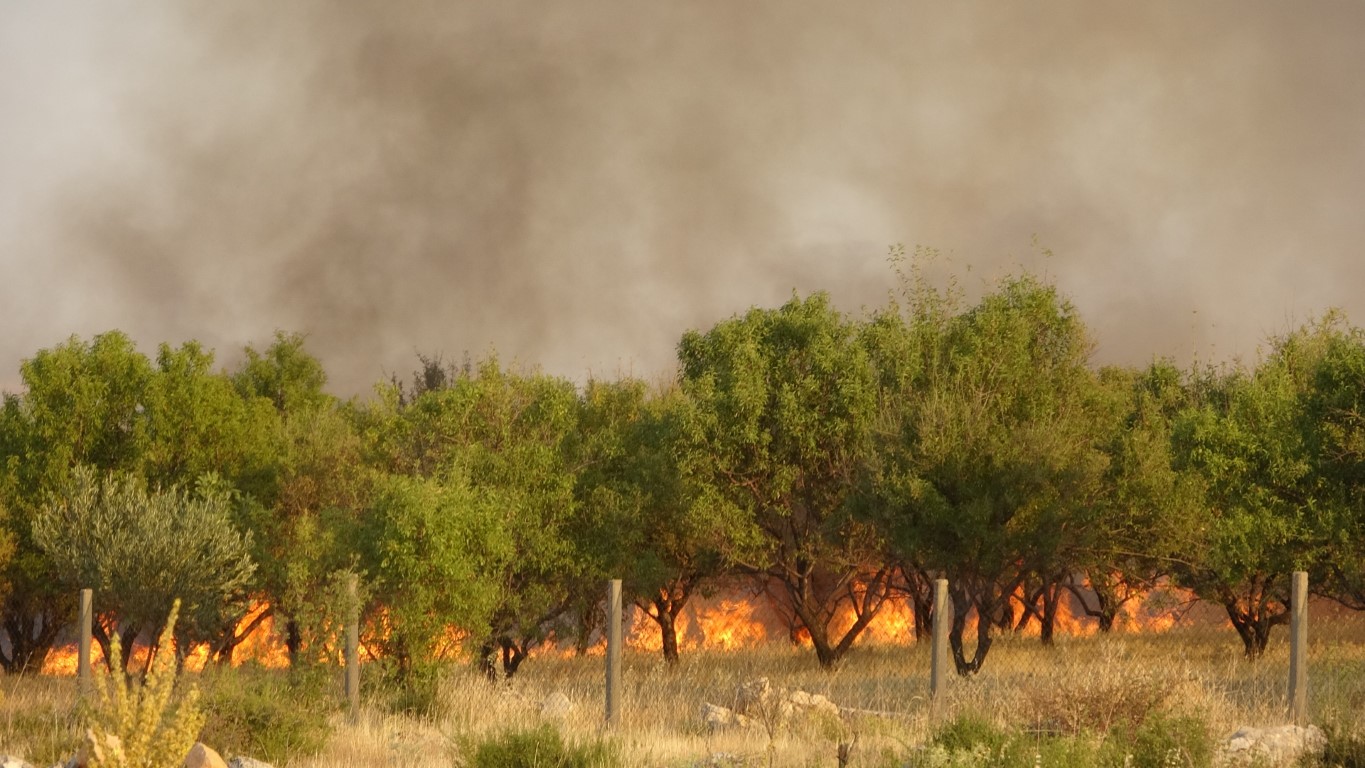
(576,184)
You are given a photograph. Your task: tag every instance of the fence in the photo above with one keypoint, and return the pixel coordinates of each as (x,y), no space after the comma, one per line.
(1043,667)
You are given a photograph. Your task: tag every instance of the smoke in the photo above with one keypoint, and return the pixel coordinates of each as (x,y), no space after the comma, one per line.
(577,184)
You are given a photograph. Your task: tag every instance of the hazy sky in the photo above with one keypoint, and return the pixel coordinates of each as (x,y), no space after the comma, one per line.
(576,184)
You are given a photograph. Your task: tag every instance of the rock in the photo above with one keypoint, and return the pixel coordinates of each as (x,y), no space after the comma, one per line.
(1280,745)
(247,762)
(110,750)
(10,761)
(722,719)
(556,705)
(752,696)
(201,756)
(812,704)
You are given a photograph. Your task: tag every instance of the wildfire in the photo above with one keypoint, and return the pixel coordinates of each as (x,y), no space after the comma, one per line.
(262,646)
(723,622)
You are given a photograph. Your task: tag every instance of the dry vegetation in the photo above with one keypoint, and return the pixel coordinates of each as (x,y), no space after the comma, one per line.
(1083,687)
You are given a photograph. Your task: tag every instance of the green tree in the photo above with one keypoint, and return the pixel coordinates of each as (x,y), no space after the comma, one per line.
(785,403)
(1334,425)
(666,535)
(512,435)
(309,495)
(993,456)
(1243,436)
(431,549)
(139,550)
(1146,520)
(82,404)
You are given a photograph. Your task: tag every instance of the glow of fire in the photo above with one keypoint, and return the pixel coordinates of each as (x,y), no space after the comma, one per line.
(719,623)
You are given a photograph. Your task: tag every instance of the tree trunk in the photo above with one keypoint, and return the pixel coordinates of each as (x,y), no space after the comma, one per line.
(31,638)
(1047,622)
(1253,626)
(230,638)
(668,635)
(293,641)
(513,654)
(963,602)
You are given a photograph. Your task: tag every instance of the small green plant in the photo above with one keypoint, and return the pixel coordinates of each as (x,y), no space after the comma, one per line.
(271,715)
(1167,740)
(542,747)
(413,690)
(135,726)
(1344,749)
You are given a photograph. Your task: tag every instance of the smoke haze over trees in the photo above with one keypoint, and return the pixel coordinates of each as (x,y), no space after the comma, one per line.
(577,186)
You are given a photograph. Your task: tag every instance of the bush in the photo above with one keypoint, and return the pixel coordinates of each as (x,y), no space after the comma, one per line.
(1344,749)
(542,747)
(136,726)
(269,715)
(1161,741)
(1166,740)
(414,691)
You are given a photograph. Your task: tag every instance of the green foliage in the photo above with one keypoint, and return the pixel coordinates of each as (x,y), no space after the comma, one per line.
(992,464)
(140,549)
(1163,740)
(270,715)
(135,726)
(1168,739)
(432,551)
(499,444)
(785,405)
(541,747)
(1344,749)
(411,688)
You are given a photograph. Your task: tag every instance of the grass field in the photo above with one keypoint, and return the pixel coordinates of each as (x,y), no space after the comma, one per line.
(1083,692)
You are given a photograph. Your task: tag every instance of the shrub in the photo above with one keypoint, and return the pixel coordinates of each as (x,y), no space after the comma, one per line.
(135,726)
(542,747)
(269,715)
(1171,740)
(1344,749)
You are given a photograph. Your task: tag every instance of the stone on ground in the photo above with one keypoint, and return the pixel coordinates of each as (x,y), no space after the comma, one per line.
(1279,745)
(201,756)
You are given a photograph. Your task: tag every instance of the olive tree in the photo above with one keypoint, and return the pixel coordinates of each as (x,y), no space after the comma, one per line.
(142,549)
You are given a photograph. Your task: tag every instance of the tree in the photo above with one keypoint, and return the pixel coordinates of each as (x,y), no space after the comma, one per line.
(993,460)
(431,550)
(1334,426)
(1242,436)
(512,436)
(308,496)
(140,550)
(785,401)
(666,535)
(81,405)
(1145,522)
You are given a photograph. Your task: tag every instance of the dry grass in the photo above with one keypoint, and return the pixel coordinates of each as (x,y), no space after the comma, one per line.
(1081,685)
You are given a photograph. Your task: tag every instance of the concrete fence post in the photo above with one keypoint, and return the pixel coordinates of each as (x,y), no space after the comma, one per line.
(1298,648)
(86,628)
(938,649)
(613,652)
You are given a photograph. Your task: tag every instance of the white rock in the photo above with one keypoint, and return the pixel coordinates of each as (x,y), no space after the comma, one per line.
(752,696)
(10,761)
(812,703)
(248,762)
(556,705)
(722,719)
(201,756)
(1280,745)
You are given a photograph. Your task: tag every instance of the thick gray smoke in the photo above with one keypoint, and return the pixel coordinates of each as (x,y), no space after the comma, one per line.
(575,184)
